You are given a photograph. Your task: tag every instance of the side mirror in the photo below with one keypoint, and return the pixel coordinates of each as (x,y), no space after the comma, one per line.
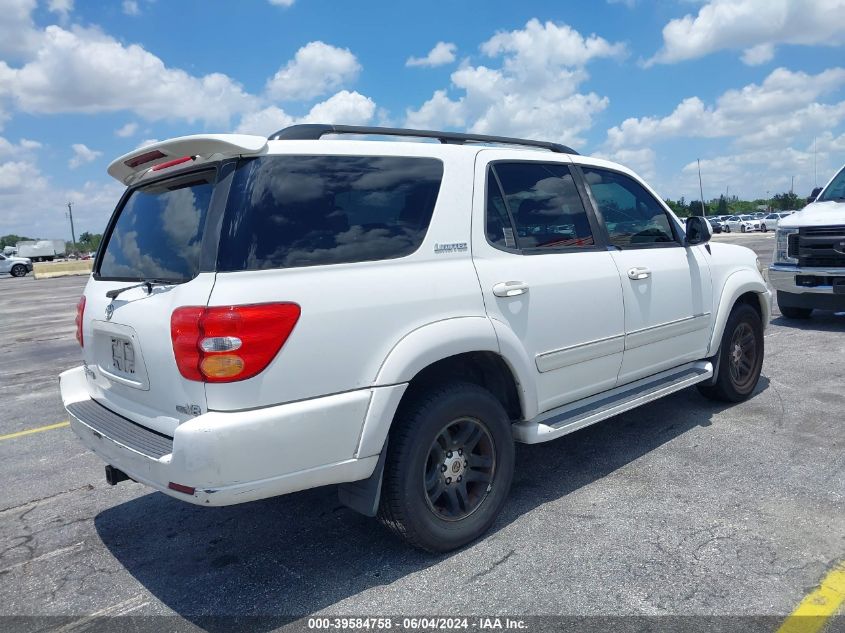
(699,231)
(815,194)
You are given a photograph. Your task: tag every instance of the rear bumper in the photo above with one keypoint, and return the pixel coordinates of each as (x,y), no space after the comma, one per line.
(230,458)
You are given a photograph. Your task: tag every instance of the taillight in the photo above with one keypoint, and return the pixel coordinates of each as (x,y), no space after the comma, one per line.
(80,312)
(229,343)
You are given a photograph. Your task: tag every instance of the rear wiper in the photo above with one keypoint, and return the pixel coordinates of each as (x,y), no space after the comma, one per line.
(147,283)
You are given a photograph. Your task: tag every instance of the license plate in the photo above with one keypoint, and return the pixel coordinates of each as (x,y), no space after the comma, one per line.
(122,355)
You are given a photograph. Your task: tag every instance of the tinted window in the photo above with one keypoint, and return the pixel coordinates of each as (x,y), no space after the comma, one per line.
(159,231)
(835,190)
(289,211)
(545,205)
(499,228)
(632,215)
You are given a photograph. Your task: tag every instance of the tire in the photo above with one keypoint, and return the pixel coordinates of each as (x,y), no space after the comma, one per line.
(417,503)
(795,313)
(727,229)
(742,229)
(739,369)
(763,228)
(18,270)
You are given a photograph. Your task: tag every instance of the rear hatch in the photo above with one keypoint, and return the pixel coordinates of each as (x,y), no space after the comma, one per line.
(155,236)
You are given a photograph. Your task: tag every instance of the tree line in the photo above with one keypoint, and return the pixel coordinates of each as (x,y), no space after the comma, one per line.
(732,205)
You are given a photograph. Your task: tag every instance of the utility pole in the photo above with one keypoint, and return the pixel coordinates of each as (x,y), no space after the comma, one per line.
(815,170)
(72,232)
(792,187)
(701,188)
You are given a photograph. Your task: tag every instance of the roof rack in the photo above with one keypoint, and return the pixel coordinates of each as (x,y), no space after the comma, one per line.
(314,131)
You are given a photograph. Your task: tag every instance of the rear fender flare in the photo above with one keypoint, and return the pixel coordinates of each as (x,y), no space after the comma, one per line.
(423,347)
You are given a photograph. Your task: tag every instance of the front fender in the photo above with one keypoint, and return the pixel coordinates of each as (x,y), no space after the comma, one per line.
(737,284)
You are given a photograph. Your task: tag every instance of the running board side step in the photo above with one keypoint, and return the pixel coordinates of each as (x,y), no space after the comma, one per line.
(576,415)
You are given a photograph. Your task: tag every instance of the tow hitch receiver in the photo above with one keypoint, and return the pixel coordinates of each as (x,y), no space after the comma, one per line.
(114,475)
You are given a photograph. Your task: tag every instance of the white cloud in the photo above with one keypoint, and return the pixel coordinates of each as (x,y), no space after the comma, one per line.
(18,176)
(316,69)
(84,70)
(442,53)
(130,7)
(82,154)
(34,206)
(759,54)
(264,122)
(24,148)
(127,130)
(18,35)
(749,24)
(62,7)
(281,3)
(345,107)
(534,93)
(350,108)
(780,109)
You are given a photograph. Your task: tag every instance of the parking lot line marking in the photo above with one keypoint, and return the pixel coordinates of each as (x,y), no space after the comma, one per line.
(49,427)
(819,605)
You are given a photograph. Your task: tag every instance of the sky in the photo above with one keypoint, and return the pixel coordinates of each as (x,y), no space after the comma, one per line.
(754,89)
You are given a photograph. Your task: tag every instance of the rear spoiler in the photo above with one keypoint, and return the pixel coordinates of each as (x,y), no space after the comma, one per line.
(129,167)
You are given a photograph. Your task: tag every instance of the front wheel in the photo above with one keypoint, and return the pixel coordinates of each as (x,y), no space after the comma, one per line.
(763,228)
(727,229)
(449,467)
(18,270)
(740,357)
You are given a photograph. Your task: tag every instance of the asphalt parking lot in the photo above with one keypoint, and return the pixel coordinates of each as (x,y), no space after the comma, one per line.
(684,506)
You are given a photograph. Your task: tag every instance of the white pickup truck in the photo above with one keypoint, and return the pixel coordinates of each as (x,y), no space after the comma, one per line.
(808,269)
(270,315)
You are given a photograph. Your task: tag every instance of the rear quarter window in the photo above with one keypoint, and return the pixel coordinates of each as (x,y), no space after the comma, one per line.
(158,232)
(294,211)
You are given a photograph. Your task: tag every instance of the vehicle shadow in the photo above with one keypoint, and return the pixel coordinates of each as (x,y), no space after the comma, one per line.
(270,562)
(820,321)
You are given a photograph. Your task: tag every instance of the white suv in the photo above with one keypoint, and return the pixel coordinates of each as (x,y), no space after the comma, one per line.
(266,316)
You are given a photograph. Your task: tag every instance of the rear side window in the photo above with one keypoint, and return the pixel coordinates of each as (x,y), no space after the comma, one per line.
(545,205)
(632,216)
(292,211)
(158,232)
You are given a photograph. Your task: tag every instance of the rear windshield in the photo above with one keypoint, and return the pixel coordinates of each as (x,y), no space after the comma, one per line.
(159,231)
(292,211)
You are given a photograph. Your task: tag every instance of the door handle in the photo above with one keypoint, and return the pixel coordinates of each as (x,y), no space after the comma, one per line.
(639,272)
(510,288)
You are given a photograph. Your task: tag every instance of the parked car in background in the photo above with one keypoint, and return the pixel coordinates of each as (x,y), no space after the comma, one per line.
(771,221)
(715,225)
(15,266)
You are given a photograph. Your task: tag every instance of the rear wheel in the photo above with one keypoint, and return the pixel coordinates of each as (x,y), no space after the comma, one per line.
(449,467)
(727,229)
(763,228)
(18,270)
(740,357)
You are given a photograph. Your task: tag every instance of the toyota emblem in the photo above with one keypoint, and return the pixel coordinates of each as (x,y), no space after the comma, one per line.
(109,311)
